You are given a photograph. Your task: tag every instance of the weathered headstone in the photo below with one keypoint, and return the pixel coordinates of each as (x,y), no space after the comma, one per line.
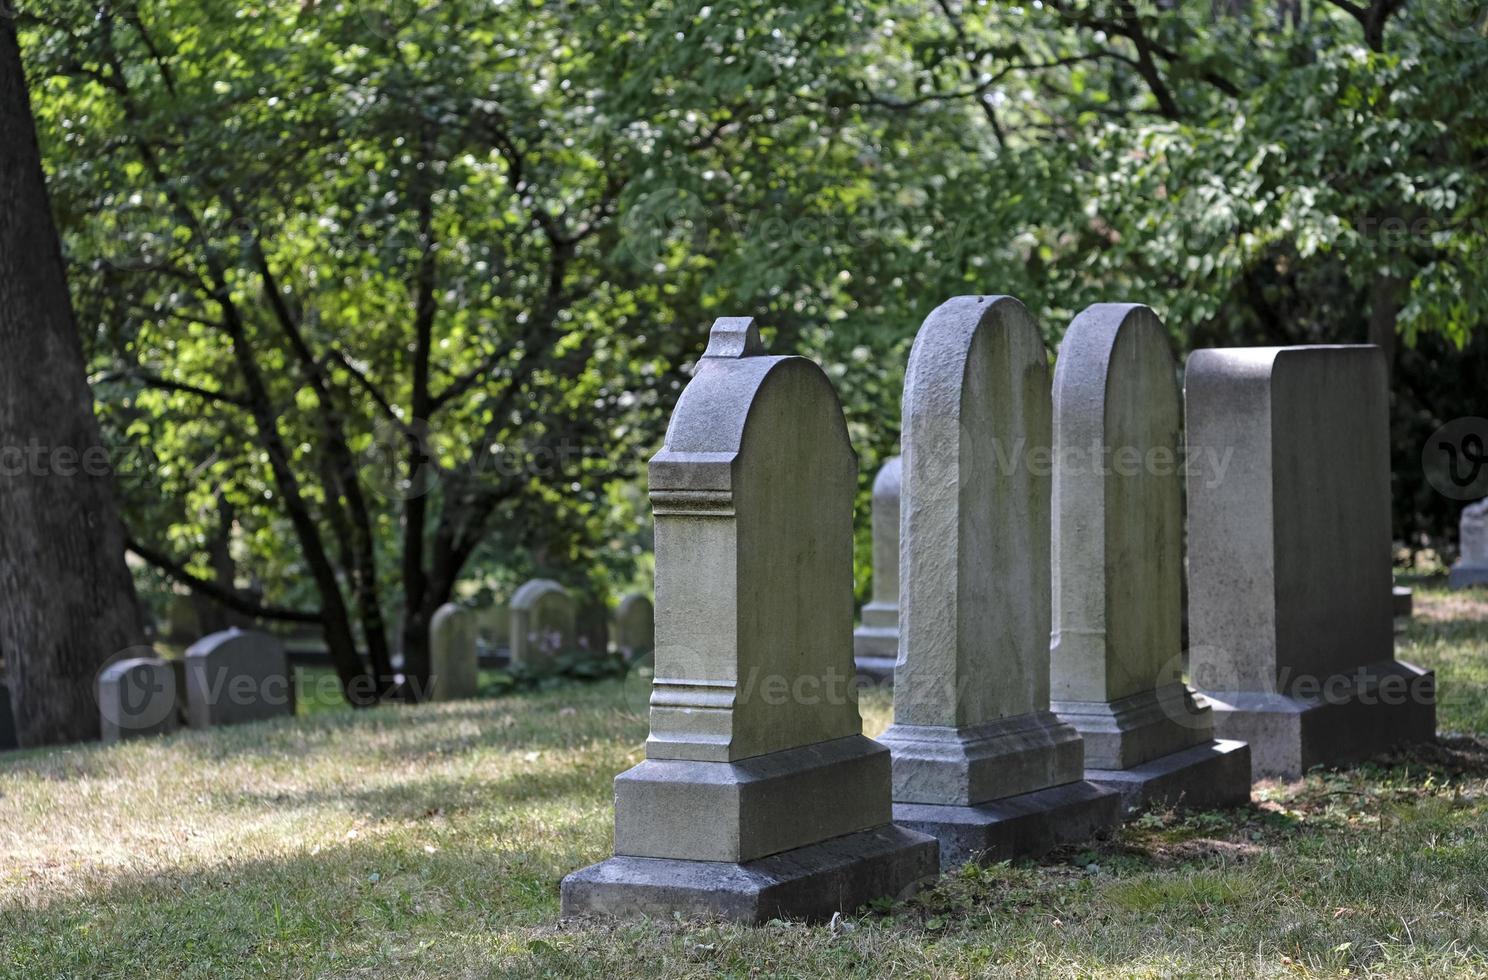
(237,676)
(136,697)
(759,796)
(542,623)
(1117,539)
(1472,564)
(1289,555)
(980,762)
(453,672)
(635,626)
(1402,602)
(876,641)
(9,738)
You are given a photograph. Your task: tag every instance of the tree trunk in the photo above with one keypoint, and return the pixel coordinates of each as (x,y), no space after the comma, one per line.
(67,602)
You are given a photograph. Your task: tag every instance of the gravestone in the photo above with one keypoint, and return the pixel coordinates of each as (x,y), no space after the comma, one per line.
(237,676)
(1472,564)
(635,626)
(453,671)
(493,629)
(136,697)
(759,796)
(1289,554)
(1117,664)
(1402,602)
(542,623)
(592,626)
(9,738)
(876,641)
(979,760)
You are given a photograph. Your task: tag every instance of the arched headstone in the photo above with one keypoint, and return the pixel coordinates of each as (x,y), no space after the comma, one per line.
(1471,567)
(635,626)
(136,697)
(759,796)
(237,676)
(453,672)
(876,641)
(1117,664)
(1289,557)
(542,623)
(980,761)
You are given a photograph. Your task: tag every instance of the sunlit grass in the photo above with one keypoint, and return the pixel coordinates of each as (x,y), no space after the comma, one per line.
(429,841)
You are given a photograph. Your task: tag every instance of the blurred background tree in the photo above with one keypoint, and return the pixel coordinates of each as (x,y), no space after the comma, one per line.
(377,301)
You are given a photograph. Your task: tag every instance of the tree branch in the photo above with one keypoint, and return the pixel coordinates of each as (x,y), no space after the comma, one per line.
(230,598)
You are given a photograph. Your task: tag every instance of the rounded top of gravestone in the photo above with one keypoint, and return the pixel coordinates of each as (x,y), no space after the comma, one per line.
(531,592)
(1236,363)
(1090,342)
(712,418)
(630,602)
(447,611)
(143,657)
(251,640)
(886,485)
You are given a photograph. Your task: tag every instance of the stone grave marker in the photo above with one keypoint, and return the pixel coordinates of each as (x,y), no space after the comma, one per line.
(979,760)
(453,671)
(1471,567)
(1290,553)
(1117,665)
(759,796)
(543,623)
(635,626)
(876,641)
(237,676)
(137,697)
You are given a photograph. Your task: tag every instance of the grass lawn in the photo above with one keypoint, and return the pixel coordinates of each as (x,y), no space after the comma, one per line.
(429,842)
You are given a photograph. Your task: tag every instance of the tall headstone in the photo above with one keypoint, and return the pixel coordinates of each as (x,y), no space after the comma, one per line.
(1289,557)
(136,697)
(979,760)
(876,641)
(635,626)
(1472,564)
(9,737)
(237,676)
(759,796)
(453,671)
(543,623)
(1117,541)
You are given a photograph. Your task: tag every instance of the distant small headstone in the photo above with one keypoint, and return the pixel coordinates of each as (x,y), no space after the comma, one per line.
(137,697)
(9,738)
(1290,557)
(759,796)
(237,676)
(543,623)
(1472,566)
(453,672)
(876,641)
(493,628)
(635,626)
(1116,648)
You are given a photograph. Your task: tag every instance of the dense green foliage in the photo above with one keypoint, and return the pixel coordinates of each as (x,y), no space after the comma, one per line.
(383,297)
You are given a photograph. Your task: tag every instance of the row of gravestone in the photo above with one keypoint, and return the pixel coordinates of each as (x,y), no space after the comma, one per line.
(1039,695)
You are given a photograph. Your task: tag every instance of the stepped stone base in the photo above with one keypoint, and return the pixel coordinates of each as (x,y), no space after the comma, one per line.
(1026,825)
(811,882)
(1214,774)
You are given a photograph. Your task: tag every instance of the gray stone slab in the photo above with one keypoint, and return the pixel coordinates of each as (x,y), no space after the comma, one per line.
(811,883)
(1472,567)
(1290,547)
(635,626)
(1128,731)
(876,641)
(1379,708)
(237,676)
(938,764)
(1017,826)
(453,670)
(749,809)
(1402,602)
(543,622)
(136,698)
(1204,777)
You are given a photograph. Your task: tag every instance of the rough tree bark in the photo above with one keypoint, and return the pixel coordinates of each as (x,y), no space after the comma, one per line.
(67,602)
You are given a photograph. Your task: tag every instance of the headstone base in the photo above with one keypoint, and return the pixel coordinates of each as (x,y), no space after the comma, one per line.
(1403,601)
(875,651)
(1214,774)
(1142,727)
(946,766)
(811,882)
(1026,825)
(1465,576)
(739,811)
(1289,735)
